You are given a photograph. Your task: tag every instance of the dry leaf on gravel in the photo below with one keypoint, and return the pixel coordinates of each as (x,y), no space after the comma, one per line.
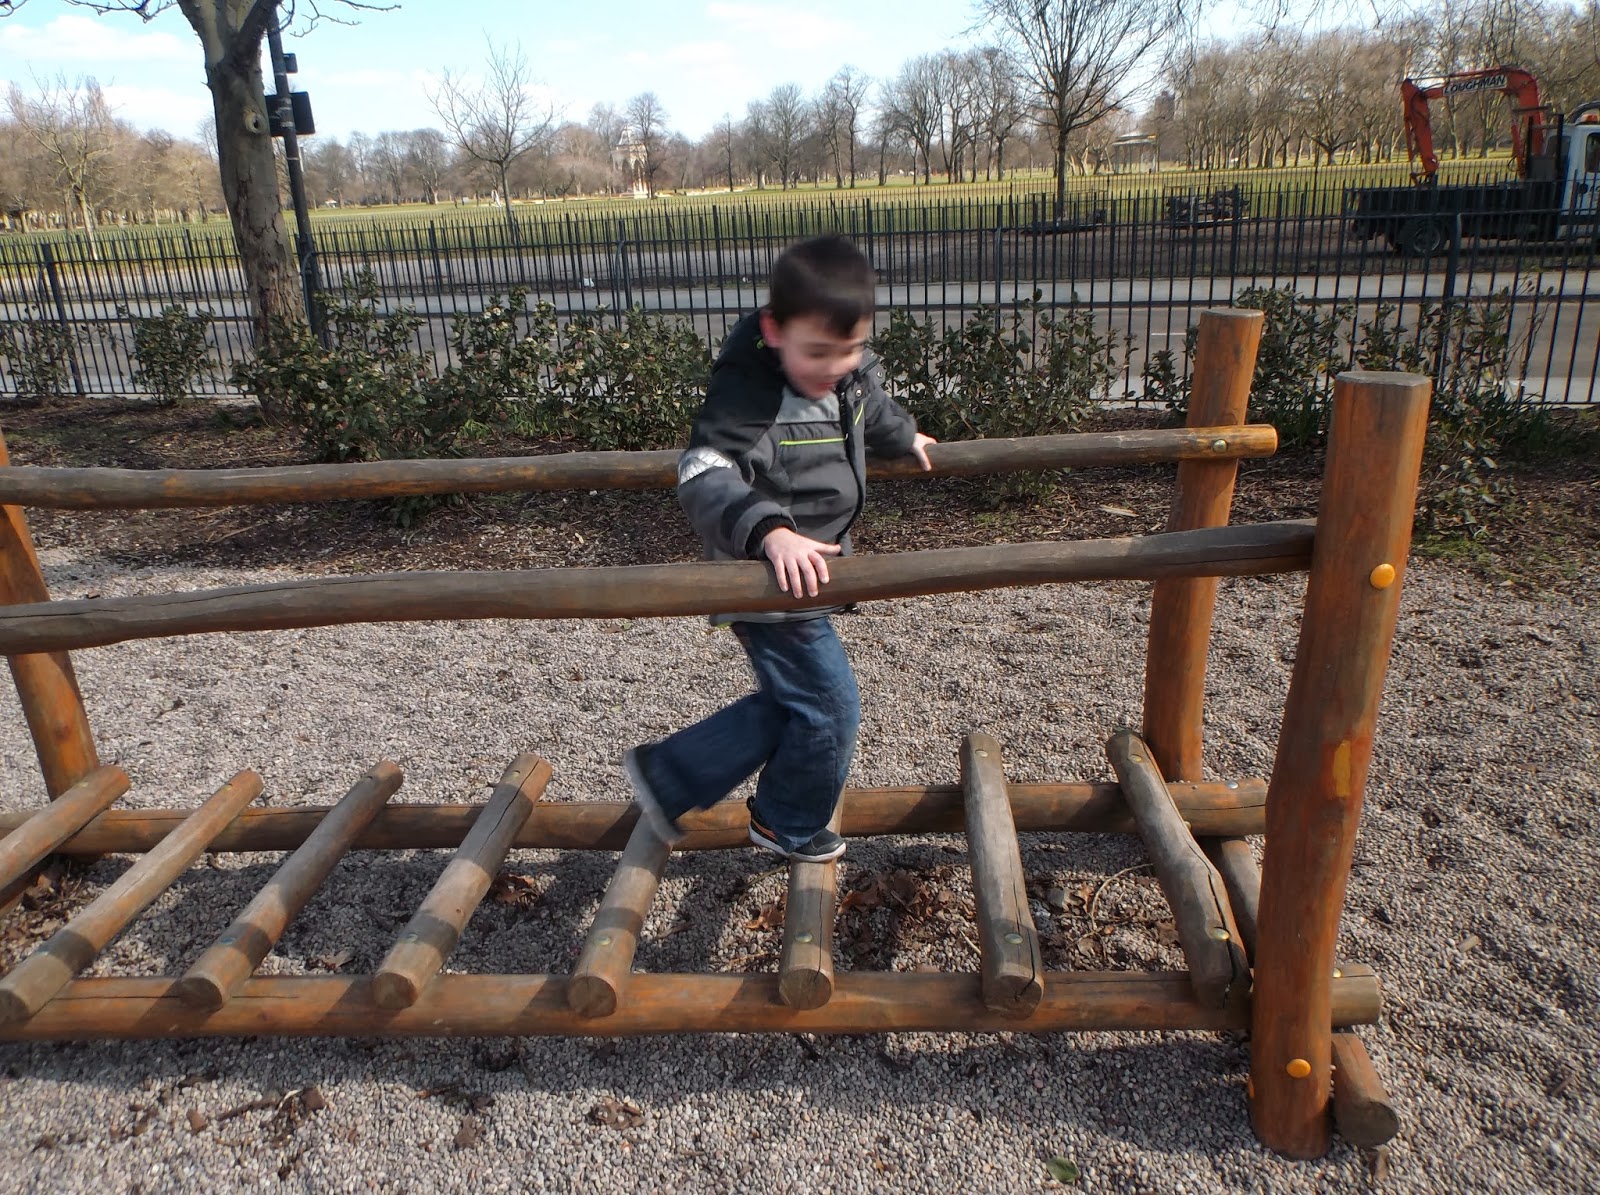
(330,962)
(619,1114)
(770,917)
(509,888)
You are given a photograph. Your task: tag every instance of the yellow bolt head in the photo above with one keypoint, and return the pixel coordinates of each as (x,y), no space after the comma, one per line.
(1298,1068)
(1382,577)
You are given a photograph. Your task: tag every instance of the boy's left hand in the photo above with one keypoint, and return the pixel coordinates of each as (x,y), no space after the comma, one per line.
(919,449)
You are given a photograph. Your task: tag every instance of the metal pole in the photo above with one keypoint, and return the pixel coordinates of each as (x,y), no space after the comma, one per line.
(310,283)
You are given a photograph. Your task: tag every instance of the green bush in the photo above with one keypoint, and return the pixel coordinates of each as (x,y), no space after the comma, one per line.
(1302,348)
(611,388)
(38,353)
(1478,411)
(993,377)
(365,396)
(170,353)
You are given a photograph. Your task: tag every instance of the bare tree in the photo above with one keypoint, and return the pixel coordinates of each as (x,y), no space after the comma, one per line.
(912,109)
(647,125)
(71,123)
(427,157)
(999,105)
(724,137)
(499,121)
(755,140)
(848,93)
(788,123)
(1079,56)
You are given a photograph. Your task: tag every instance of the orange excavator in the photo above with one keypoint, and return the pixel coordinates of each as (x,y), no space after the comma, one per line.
(1555,196)
(1529,117)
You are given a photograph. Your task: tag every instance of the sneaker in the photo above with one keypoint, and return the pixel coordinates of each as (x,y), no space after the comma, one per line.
(821,847)
(650,809)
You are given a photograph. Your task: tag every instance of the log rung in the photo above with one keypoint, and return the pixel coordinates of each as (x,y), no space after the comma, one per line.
(1008,942)
(1201,911)
(805,966)
(606,963)
(435,928)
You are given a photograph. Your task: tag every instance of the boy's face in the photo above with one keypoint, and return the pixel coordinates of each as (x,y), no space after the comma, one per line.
(815,357)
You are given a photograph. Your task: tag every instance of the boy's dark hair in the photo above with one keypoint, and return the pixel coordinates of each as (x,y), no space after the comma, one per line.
(824,276)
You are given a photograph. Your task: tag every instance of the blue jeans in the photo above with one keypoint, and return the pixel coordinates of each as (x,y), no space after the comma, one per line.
(799,728)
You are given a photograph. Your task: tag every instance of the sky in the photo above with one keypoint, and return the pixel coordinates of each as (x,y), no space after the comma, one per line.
(702,58)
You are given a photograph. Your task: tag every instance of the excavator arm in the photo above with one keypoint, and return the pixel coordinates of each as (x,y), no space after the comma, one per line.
(1527,129)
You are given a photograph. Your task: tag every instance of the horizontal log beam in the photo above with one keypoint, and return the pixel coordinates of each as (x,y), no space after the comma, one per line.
(644,591)
(1232,807)
(150,489)
(536,1005)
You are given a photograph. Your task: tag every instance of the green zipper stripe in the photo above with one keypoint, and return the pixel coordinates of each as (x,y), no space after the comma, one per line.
(794,443)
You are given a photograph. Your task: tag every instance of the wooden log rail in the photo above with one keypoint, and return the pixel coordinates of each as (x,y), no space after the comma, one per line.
(536,1005)
(1230,807)
(149,489)
(645,591)
(435,928)
(1362,1110)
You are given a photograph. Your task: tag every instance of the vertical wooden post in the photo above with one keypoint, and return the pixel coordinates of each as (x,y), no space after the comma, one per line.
(45,683)
(1180,609)
(1369,491)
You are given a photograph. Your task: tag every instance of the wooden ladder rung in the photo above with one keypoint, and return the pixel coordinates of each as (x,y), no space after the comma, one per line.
(1008,943)
(1362,1110)
(218,973)
(27,846)
(805,968)
(1206,928)
(36,979)
(436,927)
(607,959)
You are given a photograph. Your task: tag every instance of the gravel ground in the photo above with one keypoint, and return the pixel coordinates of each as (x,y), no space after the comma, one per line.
(1470,895)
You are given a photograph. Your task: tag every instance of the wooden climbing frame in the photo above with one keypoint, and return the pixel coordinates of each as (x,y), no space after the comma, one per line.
(1259,944)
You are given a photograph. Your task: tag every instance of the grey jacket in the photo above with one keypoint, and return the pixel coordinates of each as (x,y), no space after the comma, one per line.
(761,456)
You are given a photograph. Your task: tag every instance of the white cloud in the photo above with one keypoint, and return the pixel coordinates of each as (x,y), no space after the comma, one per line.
(784,26)
(179,112)
(76,40)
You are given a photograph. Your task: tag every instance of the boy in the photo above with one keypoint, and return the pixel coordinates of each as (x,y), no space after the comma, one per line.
(775,470)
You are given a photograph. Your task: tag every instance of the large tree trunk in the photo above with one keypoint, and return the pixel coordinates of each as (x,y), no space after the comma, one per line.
(250,187)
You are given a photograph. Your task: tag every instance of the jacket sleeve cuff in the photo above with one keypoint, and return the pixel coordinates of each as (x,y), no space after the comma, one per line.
(752,546)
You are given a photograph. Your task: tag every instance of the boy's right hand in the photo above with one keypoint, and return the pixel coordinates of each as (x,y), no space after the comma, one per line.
(801,563)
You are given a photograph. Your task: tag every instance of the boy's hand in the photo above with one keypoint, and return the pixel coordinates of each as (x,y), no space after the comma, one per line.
(801,563)
(919,449)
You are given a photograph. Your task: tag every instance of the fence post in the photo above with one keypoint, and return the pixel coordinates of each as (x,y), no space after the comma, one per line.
(1452,266)
(627,275)
(999,253)
(46,686)
(1181,607)
(53,278)
(1369,492)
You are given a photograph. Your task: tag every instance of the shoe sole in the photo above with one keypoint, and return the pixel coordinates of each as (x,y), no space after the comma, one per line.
(793,856)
